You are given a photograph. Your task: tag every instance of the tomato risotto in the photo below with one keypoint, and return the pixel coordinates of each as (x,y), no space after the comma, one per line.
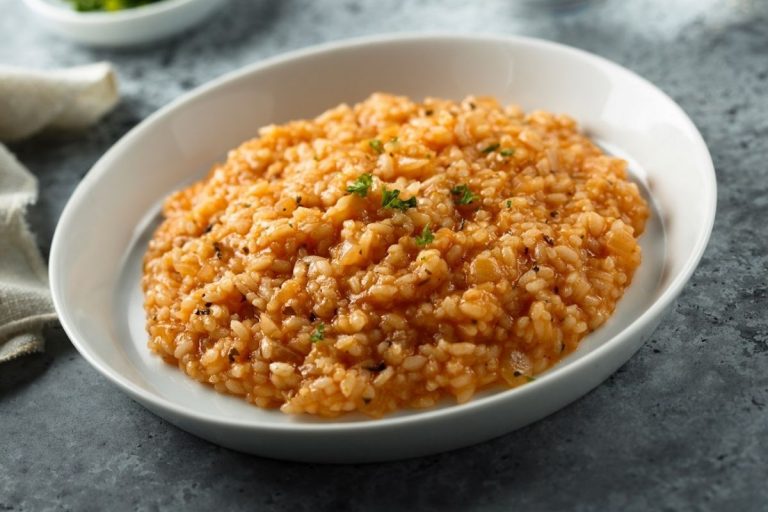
(389,254)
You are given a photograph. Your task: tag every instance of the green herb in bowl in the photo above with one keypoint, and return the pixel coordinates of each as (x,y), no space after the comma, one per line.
(108,5)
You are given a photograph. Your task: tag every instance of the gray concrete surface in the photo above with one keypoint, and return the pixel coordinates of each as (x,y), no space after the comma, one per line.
(682,426)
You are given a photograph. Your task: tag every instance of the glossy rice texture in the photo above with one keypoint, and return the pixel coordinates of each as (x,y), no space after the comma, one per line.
(511,238)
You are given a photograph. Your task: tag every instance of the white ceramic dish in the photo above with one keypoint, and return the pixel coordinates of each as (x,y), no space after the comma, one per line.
(122,28)
(100,239)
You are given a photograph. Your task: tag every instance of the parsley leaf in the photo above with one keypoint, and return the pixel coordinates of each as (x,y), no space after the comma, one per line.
(463,193)
(391,199)
(426,237)
(492,147)
(319,333)
(376,145)
(107,5)
(507,152)
(361,185)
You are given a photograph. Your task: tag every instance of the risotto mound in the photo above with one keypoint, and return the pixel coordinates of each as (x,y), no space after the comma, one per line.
(391,253)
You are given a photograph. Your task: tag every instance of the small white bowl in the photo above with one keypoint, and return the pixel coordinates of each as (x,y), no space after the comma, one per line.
(97,250)
(127,27)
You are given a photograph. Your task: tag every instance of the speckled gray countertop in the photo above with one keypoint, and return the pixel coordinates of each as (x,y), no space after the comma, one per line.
(683,425)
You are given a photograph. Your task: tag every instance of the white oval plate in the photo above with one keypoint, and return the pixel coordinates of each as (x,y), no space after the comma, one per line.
(100,239)
(122,28)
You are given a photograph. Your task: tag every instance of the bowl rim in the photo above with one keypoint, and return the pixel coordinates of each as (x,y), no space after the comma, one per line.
(69,15)
(157,402)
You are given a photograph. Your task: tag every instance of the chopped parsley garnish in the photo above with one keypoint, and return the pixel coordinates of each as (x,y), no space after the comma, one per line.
(426,237)
(463,194)
(361,185)
(108,5)
(391,199)
(318,334)
(530,378)
(376,145)
(507,152)
(492,147)
(509,203)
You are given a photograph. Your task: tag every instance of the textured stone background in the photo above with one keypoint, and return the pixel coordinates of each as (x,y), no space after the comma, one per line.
(683,425)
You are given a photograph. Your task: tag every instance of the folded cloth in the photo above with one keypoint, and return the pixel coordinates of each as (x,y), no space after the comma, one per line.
(25,302)
(66,99)
(32,102)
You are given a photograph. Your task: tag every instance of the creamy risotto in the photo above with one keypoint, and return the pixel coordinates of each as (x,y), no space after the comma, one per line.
(391,253)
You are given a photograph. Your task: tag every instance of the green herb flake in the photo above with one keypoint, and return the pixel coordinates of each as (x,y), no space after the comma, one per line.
(507,152)
(391,199)
(463,194)
(376,145)
(426,237)
(509,204)
(491,148)
(361,185)
(318,334)
(108,5)
(530,378)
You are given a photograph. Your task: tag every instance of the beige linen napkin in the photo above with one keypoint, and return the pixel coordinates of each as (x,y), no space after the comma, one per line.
(32,102)
(66,99)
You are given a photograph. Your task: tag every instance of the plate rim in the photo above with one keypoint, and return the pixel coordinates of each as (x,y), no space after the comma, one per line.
(157,402)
